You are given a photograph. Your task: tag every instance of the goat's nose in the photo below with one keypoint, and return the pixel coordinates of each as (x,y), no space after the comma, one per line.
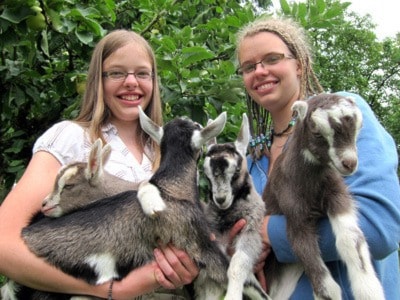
(220,200)
(349,164)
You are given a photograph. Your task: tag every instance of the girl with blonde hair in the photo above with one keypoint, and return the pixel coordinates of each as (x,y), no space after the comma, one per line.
(122,75)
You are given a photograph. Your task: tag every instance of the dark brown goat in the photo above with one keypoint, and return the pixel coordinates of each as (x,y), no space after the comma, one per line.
(306,184)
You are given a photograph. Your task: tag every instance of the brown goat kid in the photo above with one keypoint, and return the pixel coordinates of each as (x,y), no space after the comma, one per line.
(306,184)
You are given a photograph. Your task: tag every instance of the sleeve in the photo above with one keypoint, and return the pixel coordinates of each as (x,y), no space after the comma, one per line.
(65,141)
(375,188)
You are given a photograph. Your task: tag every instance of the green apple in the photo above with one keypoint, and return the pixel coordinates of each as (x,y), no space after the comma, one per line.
(36,22)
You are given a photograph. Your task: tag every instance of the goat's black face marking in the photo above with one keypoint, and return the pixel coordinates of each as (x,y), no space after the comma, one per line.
(221,166)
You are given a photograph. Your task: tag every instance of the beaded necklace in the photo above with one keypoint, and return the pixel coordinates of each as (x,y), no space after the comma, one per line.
(268,138)
(261,129)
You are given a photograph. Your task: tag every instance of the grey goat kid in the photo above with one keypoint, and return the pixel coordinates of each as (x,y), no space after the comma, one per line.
(84,182)
(80,243)
(233,197)
(80,183)
(306,184)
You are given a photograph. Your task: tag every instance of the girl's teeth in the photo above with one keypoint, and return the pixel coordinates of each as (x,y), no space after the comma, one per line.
(130,98)
(265,86)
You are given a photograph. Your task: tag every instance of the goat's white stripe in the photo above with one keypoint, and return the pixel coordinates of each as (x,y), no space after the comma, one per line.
(104,266)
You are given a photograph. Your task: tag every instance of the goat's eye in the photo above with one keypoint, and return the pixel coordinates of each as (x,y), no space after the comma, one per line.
(338,127)
(68,186)
(318,135)
(348,119)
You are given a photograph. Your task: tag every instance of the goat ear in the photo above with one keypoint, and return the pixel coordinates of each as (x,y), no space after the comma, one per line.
(156,132)
(94,166)
(105,154)
(212,129)
(213,140)
(300,107)
(243,138)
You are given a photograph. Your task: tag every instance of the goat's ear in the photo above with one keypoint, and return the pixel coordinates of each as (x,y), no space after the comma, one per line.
(152,129)
(212,129)
(213,140)
(300,107)
(105,154)
(243,138)
(94,166)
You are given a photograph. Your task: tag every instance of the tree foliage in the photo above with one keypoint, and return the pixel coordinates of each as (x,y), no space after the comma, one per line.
(46,46)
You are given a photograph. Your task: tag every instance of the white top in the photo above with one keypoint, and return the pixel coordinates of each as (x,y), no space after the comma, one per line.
(68,142)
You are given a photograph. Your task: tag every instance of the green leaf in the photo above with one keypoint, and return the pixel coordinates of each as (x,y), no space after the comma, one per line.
(44,44)
(333,12)
(302,12)
(195,54)
(95,27)
(321,5)
(168,44)
(16,15)
(55,19)
(85,37)
(285,7)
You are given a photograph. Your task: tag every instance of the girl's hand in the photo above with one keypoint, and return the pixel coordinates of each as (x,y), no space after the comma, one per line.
(175,267)
(239,225)
(259,267)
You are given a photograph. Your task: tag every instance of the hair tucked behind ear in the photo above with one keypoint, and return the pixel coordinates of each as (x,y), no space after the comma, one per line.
(296,39)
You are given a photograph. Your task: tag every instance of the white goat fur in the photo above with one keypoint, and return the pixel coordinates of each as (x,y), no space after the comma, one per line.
(234,197)
(306,184)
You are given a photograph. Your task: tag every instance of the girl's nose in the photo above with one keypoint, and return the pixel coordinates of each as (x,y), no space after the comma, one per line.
(261,69)
(131,80)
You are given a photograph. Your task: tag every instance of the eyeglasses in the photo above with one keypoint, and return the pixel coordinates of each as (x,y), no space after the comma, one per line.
(268,60)
(121,76)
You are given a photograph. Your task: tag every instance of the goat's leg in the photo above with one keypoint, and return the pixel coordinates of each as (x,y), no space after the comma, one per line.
(207,289)
(9,290)
(238,271)
(253,289)
(283,285)
(150,199)
(304,240)
(353,249)
(241,279)
(247,249)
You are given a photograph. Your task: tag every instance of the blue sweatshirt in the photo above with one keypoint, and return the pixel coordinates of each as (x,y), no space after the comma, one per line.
(376,190)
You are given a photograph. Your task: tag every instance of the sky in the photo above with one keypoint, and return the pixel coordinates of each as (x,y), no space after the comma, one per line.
(384,13)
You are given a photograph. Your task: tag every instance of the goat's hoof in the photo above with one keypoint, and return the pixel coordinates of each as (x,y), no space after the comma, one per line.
(150,199)
(153,210)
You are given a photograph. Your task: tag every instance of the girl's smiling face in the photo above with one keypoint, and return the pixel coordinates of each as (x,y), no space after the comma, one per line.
(123,96)
(271,86)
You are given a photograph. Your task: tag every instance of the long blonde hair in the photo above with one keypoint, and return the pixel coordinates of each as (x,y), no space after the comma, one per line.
(296,39)
(94,113)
